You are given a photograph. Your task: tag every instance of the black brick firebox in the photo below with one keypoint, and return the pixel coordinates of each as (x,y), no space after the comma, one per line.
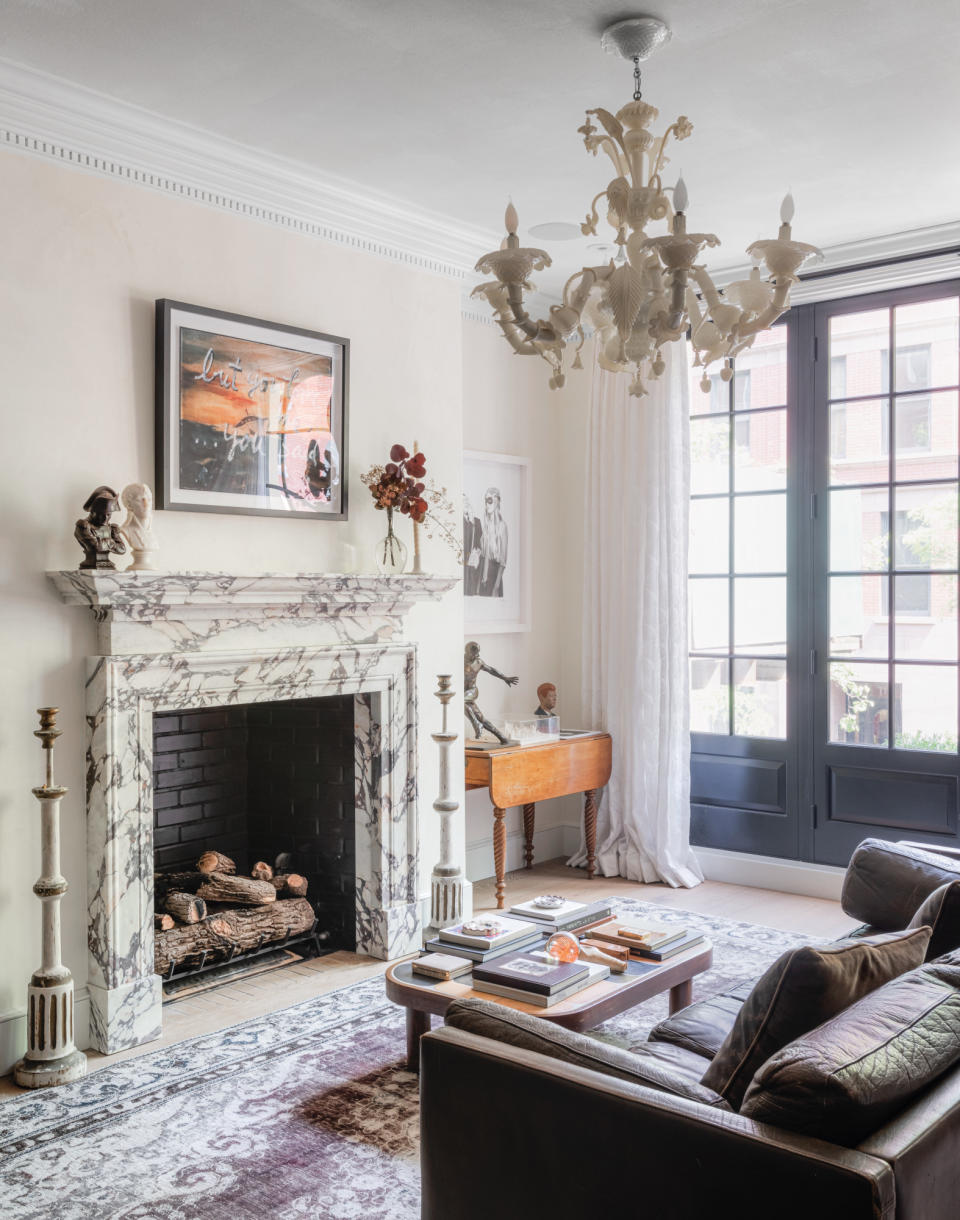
(259,779)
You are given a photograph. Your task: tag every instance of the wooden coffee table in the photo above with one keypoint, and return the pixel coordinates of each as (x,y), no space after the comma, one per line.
(423,998)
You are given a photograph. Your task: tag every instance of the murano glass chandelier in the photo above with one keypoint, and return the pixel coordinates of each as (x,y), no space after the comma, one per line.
(654,291)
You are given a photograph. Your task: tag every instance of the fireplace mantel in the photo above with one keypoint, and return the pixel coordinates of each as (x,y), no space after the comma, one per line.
(196,611)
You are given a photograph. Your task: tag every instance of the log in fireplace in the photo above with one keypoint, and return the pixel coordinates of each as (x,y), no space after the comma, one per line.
(253,831)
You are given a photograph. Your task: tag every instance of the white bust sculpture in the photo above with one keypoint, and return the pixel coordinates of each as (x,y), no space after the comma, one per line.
(137,499)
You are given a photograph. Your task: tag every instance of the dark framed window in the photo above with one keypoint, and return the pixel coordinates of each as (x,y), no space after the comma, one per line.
(845,685)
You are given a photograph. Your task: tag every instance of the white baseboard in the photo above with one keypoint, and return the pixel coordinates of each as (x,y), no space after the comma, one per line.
(548,844)
(770,873)
(13,1030)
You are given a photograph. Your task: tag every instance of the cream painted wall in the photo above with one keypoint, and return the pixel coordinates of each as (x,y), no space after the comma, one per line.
(84,260)
(508,408)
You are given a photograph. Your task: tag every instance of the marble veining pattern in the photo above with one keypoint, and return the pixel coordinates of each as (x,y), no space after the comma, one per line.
(197,611)
(122,694)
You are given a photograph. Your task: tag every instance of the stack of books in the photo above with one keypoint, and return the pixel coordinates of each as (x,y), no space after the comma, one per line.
(535,979)
(443,966)
(506,936)
(570,917)
(647,941)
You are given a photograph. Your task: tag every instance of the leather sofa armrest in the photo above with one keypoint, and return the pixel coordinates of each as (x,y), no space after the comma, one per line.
(511,1133)
(921,1143)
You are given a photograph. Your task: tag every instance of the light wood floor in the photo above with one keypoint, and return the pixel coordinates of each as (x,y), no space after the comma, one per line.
(262,994)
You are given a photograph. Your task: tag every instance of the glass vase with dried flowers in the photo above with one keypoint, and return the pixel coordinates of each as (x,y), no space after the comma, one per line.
(399,485)
(396,486)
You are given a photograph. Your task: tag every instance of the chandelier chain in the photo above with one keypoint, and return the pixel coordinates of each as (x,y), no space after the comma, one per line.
(636,78)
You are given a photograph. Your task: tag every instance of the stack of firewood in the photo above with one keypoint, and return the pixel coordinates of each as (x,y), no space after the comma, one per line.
(212,914)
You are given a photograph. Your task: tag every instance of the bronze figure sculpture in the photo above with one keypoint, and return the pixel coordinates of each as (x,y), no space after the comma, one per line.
(472,665)
(98,538)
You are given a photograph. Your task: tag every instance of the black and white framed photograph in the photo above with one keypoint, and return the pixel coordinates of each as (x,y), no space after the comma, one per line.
(497,506)
(251,415)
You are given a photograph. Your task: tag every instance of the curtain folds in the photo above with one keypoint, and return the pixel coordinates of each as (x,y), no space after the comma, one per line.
(635,622)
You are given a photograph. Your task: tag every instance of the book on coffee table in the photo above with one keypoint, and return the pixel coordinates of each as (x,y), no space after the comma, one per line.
(436,945)
(502,931)
(441,966)
(529,910)
(663,954)
(531,972)
(635,935)
(595,974)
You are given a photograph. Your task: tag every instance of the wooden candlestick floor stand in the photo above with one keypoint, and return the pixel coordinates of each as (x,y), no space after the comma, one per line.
(51,1058)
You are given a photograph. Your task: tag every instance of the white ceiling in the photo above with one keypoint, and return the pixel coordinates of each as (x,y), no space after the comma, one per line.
(454,106)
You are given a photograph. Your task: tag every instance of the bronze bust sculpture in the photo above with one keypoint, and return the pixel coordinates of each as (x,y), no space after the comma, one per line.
(98,538)
(472,665)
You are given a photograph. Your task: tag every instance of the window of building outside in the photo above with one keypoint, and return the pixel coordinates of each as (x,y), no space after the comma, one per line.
(893,526)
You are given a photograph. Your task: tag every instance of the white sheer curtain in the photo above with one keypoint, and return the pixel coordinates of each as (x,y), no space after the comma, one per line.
(635,622)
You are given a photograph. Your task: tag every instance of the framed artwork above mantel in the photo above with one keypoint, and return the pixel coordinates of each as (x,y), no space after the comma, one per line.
(251,416)
(497,542)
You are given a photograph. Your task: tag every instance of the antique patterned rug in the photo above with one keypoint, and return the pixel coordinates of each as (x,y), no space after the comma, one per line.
(308,1112)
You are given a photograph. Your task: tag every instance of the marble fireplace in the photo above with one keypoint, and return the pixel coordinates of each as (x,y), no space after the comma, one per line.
(170,642)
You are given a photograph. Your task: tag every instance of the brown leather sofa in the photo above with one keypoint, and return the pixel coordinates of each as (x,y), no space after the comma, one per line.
(576,1129)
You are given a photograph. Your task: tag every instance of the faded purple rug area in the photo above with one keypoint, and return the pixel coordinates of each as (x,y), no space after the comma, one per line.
(308,1112)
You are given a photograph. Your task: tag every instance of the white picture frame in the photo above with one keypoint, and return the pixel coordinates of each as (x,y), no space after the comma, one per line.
(497,596)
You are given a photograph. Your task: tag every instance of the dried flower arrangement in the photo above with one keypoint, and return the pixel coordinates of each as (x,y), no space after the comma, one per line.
(395,484)
(400,484)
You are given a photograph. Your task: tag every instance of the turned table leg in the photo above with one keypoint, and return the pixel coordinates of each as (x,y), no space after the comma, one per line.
(418,1024)
(590,829)
(499,851)
(529,815)
(681,996)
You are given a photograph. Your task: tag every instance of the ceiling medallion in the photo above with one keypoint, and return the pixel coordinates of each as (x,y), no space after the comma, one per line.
(653,291)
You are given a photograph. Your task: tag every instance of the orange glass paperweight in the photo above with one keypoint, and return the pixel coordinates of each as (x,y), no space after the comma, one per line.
(562,947)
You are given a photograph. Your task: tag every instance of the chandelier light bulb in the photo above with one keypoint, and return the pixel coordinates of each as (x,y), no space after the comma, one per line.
(680,196)
(787,209)
(510,219)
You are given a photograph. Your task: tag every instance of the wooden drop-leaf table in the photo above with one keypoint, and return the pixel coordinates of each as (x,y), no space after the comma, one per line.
(523,775)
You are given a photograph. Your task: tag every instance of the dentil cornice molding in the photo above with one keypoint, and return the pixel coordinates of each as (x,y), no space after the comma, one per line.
(53,118)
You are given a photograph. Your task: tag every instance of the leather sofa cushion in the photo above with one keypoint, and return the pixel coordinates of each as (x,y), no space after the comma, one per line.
(844,1080)
(802,989)
(941,912)
(669,1069)
(885,883)
(703,1026)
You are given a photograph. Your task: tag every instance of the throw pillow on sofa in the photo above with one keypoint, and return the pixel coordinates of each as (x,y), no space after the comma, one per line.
(802,989)
(941,912)
(844,1080)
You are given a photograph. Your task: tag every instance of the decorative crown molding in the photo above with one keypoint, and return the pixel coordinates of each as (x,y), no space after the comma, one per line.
(61,121)
(872,264)
(50,117)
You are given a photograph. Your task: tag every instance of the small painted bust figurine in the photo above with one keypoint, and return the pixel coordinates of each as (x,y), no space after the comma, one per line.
(547,694)
(472,666)
(94,532)
(137,499)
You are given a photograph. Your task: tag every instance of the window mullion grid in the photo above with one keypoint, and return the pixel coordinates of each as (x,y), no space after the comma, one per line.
(731,500)
(892,527)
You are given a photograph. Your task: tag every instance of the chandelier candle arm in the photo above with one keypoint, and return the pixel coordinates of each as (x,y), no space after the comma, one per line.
(51,1058)
(656,290)
(450,892)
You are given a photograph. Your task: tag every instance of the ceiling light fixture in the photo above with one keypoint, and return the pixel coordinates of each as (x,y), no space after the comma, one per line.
(653,292)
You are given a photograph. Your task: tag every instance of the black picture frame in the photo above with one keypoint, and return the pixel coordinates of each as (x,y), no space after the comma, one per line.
(267,462)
